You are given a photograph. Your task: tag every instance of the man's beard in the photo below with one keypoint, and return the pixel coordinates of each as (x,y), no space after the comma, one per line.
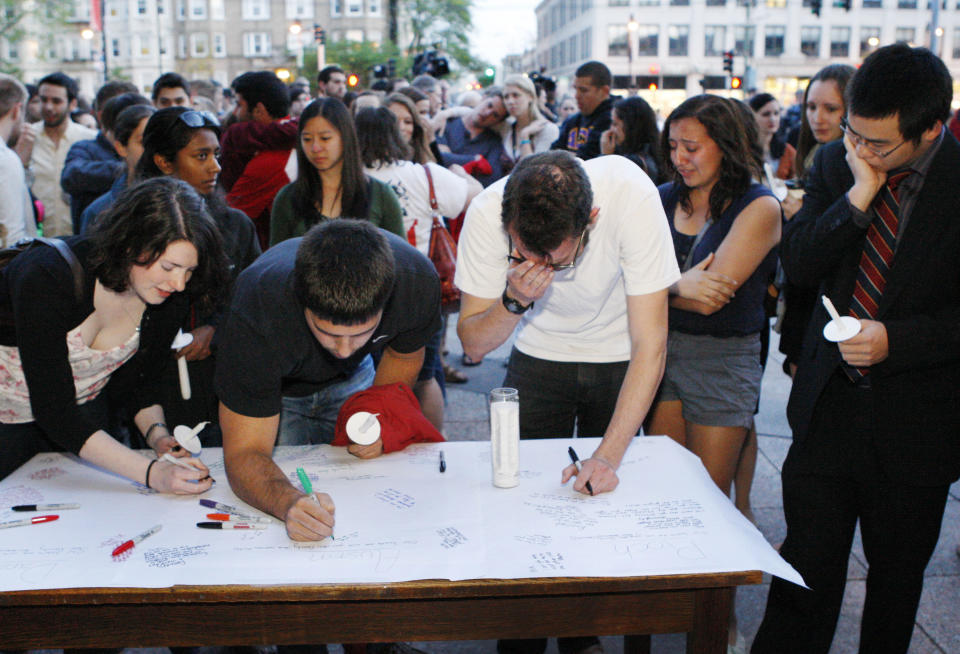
(58,122)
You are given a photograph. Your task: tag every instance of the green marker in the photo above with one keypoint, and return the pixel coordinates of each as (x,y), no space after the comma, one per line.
(308,489)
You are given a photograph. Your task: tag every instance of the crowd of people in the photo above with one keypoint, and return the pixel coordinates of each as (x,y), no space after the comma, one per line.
(636,269)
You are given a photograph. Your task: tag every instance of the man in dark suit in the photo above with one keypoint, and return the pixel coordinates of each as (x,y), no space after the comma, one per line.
(875,419)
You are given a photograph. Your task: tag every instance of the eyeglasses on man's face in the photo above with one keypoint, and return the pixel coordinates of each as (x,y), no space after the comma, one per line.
(859,141)
(553,266)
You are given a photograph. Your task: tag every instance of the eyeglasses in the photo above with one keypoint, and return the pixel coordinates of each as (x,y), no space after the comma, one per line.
(553,266)
(193,118)
(859,141)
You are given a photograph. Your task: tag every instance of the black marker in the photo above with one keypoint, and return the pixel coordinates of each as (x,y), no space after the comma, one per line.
(44,507)
(576,462)
(443,462)
(230,525)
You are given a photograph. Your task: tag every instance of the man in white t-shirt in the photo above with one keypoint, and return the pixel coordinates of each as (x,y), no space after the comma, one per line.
(580,254)
(16,208)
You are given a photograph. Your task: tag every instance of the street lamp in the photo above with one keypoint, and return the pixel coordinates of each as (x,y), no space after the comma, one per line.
(632,27)
(295,29)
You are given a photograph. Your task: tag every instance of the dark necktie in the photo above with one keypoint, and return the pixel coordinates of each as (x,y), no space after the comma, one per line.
(877,256)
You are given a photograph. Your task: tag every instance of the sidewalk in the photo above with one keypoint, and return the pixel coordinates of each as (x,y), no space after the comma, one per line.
(937,629)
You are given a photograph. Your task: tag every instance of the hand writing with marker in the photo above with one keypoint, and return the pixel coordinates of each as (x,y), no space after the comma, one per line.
(596,470)
(310,517)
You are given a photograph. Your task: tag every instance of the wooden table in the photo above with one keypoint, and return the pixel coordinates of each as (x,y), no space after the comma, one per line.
(698,604)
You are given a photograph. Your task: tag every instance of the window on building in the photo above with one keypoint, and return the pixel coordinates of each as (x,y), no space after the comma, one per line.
(336,7)
(299,9)
(648,3)
(219,44)
(585,6)
(648,40)
(906,34)
(256,44)
(561,13)
(115,47)
(678,40)
(572,49)
(839,41)
(773,39)
(256,10)
(714,38)
(199,45)
(810,40)
(586,44)
(144,46)
(13,52)
(618,3)
(873,4)
(373,7)
(142,7)
(906,4)
(617,44)
(956,42)
(162,44)
(181,9)
(869,40)
(572,9)
(198,9)
(354,7)
(743,40)
(161,7)
(216,10)
(679,3)
(716,3)
(182,46)
(776,4)
(355,36)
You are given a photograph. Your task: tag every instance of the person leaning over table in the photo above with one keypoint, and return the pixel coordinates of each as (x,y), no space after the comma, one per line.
(65,356)
(295,344)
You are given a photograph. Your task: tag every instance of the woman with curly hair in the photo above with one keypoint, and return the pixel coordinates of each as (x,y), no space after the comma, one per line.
(97,321)
(725,230)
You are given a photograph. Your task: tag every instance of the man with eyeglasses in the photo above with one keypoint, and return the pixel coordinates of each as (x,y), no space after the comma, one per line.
(875,418)
(578,254)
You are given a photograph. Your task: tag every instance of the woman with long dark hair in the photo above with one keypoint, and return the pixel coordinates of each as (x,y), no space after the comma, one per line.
(633,134)
(778,155)
(331,182)
(386,158)
(71,348)
(413,126)
(185,144)
(725,228)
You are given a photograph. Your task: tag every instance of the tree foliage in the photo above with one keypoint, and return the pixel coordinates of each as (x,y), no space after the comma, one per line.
(358,57)
(43,18)
(445,24)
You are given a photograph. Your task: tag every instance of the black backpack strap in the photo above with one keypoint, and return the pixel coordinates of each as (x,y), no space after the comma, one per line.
(71,259)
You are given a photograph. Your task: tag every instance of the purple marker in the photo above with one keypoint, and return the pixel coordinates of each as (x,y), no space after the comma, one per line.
(226,508)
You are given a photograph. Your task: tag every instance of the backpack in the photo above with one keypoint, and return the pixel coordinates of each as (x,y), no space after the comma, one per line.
(9,254)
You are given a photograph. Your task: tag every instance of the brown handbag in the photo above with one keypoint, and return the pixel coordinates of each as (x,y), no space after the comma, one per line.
(443,254)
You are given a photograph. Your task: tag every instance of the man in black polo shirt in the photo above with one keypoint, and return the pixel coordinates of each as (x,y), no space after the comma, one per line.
(304,318)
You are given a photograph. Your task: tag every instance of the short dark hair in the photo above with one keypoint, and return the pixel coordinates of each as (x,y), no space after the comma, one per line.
(379,137)
(897,80)
(597,71)
(724,125)
(111,89)
(116,104)
(296,90)
(324,75)
(547,199)
(64,80)
(170,81)
(425,83)
(264,87)
(128,120)
(143,221)
(166,134)
(344,271)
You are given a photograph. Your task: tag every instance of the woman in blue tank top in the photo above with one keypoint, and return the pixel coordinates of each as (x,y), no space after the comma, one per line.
(725,229)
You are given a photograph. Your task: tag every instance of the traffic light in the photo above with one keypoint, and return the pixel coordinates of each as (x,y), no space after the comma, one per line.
(736,82)
(352,80)
(728,61)
(318,34)
(487,77)
(847,5)
(815,6)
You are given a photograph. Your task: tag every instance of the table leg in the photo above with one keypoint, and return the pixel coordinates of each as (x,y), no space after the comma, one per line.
(636,644)
(711,616)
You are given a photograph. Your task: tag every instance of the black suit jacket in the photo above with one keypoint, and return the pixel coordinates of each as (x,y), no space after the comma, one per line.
(916,390)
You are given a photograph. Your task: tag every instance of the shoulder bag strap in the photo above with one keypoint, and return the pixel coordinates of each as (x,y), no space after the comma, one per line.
(433,195)
(71,259)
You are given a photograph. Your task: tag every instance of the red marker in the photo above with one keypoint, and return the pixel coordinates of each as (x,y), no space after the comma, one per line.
(29,521)
(128,545)
(224,517)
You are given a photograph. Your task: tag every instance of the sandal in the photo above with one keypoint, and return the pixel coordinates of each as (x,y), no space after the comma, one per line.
(452,375)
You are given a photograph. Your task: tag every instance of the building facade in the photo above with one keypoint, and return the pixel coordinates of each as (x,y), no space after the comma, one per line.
(671,49)
(200,39)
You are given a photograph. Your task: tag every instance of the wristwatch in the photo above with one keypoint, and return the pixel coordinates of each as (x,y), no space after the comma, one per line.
(512,305)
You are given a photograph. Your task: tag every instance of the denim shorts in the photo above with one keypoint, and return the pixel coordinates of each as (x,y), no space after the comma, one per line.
(311,419)
(716,379)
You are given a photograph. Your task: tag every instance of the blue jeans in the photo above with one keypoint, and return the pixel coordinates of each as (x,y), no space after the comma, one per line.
(311,419)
